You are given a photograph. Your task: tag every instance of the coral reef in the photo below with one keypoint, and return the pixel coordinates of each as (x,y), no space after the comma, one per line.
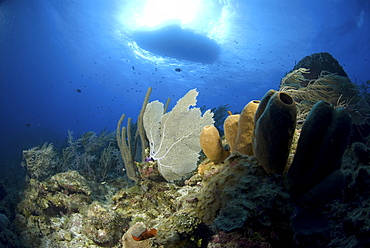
(241,192)
(318,62)
(222,240)
(168,209)
(232,204)
(329,87)
(59,210)
(297,211)
(103,225)
(238,197)
(40,162)
(63,193)
(8,234)
(46,205)
(81,198)
(149,171)
(93,156)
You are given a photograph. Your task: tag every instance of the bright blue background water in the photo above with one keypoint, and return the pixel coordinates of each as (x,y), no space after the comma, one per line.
(51,48)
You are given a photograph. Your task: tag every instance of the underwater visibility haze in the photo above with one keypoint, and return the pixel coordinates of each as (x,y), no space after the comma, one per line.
(70,69)
(77,65)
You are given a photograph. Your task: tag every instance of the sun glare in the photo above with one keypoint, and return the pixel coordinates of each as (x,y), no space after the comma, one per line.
(207,18)
(202,16)
(159,12)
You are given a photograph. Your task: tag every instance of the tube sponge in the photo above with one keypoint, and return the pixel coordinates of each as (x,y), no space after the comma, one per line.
(275,123)
(245,129)
(322,142)
(231,124)
(211,144)
(263,103)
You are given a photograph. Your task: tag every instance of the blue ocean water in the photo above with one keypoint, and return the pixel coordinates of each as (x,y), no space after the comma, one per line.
(75,65)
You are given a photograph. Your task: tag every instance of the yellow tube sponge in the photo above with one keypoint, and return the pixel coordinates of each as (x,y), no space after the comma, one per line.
(211,144)
(231,130)
(245,129)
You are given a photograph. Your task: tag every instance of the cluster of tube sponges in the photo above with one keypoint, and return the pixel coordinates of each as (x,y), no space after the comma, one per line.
(265,129)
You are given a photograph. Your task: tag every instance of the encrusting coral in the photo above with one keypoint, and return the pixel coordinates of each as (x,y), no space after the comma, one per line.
(103,225)
(242,192)
(45,203)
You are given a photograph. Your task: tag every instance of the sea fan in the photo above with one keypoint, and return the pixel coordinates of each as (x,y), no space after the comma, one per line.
(174,136)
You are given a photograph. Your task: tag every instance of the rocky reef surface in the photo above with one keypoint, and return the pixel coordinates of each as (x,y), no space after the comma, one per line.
(230,204)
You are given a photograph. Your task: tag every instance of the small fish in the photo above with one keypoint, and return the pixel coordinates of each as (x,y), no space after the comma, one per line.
(133,68)
(78,90)
(28,125)
(178,69)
